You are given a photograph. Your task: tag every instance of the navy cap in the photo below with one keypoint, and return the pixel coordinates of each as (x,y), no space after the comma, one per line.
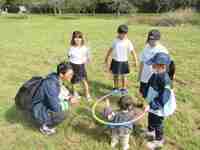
(122,29)
(160,58)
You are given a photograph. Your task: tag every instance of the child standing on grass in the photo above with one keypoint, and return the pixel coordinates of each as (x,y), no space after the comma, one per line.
(153,46)
(160,98)
(120,134)
(119,66)
(79,56)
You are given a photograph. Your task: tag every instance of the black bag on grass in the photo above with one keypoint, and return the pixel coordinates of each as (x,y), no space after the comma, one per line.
(23,99)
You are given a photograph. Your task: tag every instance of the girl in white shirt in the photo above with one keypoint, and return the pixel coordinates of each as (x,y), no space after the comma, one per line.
(79,56)
(120,50)
(153,46)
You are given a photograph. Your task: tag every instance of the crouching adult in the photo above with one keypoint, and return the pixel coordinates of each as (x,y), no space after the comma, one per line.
(52,99)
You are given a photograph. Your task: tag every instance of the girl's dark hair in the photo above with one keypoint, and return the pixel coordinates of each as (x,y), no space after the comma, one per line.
(76,34)
(153,35)
(63,67)
(172,70)
(125,102)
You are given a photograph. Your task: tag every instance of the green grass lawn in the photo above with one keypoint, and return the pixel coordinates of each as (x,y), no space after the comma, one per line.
(35,45)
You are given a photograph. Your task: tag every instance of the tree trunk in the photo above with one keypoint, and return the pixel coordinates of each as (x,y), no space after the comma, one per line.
(118,9)
(93,12)
(60,11)
(55,10)
(118,12)
(158,8)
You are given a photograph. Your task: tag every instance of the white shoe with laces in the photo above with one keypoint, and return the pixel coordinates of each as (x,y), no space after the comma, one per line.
(150,135)
(154,145)
(44,129)
(114,144)
(89,98)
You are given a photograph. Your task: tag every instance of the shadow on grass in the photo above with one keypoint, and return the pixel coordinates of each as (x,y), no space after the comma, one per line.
(16,16)
(99,89)
(84,125)
(68,17)
(13,115)
(79,16)
(87,127)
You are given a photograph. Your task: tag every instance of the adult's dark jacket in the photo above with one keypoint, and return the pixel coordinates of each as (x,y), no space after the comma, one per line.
(46,107)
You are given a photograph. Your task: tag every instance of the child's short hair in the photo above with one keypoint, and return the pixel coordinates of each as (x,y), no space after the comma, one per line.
(76,34)
(122,29)
(125,102)
(63,67)
(153,35)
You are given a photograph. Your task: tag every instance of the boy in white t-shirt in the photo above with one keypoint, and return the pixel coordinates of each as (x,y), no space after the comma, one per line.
(153,46)
(120,50)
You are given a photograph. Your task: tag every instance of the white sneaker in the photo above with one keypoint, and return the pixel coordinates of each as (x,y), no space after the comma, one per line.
(125,147)
(89,98)
(44,129)
(114,144)
(155,144)
(150,135)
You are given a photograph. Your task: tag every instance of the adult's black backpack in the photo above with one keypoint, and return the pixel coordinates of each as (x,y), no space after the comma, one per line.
(25,94)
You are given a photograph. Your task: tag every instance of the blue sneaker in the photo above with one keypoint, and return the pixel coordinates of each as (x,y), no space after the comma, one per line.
(124,91)
(116,92)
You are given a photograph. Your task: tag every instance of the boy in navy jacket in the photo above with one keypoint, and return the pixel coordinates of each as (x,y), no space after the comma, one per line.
(158,96)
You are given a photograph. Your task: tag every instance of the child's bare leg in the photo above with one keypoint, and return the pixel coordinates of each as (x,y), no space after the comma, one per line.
(124,141)
(114,139)
(86,88)
(116,81)
(74,91)
(124,82)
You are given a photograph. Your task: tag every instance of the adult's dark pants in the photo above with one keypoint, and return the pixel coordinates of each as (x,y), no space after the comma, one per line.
(42,115)
(56,118)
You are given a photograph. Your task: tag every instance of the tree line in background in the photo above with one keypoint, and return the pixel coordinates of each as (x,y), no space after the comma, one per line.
(99,6)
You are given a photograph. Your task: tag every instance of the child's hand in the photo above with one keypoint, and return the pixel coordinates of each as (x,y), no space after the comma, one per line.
(110,116)
(154,105)
(141,100)
(147,108)
(108,113)
(86,61)
(73,100)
